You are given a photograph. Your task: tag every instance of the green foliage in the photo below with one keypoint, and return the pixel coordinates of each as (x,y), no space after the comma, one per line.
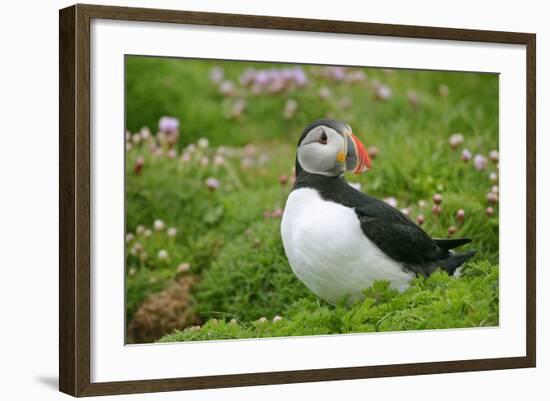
(436,302)
(157,87)
(251,277)
(204,219)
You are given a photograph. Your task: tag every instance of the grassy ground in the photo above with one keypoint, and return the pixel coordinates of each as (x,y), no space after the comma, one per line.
(214,267)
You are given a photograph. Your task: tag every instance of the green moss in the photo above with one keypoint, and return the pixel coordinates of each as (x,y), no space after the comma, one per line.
(436,302)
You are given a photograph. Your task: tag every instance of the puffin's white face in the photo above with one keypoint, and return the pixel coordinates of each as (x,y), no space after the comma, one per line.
(319,150)
(327,152)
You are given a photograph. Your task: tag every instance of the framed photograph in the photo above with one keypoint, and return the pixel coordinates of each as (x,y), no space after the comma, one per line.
(250,200)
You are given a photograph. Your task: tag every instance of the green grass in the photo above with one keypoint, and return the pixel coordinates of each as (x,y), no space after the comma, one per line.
(235,252)
(251,278)
(437,302)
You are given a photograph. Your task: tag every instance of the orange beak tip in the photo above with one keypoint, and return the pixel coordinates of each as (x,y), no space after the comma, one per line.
(364,160)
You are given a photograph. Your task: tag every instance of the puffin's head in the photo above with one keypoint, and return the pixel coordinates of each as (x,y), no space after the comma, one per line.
(328,147)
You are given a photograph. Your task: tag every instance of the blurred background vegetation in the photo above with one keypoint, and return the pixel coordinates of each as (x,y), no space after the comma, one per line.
(210,157)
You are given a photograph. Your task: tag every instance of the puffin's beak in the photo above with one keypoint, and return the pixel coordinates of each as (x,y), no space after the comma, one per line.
(357,157)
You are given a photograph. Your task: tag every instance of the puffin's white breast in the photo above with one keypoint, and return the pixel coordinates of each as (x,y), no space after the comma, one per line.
(328,251)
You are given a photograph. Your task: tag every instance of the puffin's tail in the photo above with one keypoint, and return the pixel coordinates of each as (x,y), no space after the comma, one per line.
(456,260)
(451,243)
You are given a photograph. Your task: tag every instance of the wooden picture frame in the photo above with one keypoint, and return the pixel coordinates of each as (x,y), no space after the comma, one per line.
(74,199)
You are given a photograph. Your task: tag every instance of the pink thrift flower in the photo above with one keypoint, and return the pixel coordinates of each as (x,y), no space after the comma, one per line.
(356,76)
(391,201)
(247,77)
(283,179)
(492,197)
(203,143)
(466,155)
(290,108)
(145,133)
(456,140)
(373,151)
(158,225)
(437,199)
(212,184)
(383,93)
(168,124)
(493,155)
(227,88)
(299,76)
(216,75)
(336,73)
(480,162)
(184,267)
(219,160)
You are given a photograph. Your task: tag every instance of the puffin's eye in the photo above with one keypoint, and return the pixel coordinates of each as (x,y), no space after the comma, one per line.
(323,138)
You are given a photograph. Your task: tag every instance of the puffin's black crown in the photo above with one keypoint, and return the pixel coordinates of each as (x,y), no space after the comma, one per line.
(336,125)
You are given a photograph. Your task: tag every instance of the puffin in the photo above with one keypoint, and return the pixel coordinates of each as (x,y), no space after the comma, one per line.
(339,240)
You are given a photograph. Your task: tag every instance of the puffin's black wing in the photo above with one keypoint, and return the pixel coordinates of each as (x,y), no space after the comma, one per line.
(396,235)
(404,241)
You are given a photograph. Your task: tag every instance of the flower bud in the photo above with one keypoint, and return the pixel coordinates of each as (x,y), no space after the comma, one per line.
(158,225)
